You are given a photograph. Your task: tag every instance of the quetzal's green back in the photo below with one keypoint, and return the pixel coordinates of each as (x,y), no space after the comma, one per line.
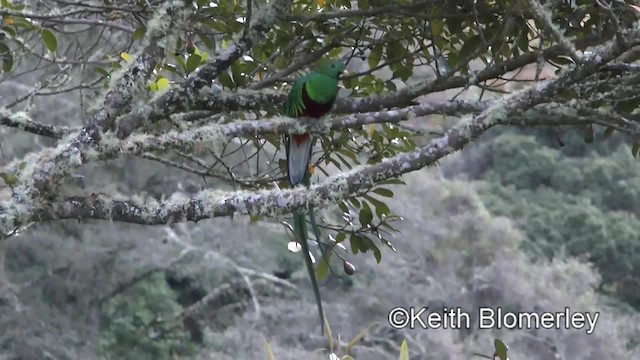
(314,94)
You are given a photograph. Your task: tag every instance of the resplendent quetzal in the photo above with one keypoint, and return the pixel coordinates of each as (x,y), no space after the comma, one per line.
(312,96)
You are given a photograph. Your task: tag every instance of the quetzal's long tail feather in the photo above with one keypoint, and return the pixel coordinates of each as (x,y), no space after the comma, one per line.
(300,228)
(298,158)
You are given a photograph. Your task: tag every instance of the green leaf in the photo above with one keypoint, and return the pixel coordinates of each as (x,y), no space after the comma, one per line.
(340,237)
(162,83)
(343,207)
(365,215)
(377,254)
(9,179)
(356,243)
(204,55)
(561,60)
(607,133)
(126,57)
(383,192)
(436,27)
(635,149)
(139,33)
(181,62)
(395,50)
(403,73)
(470,46)
(49,39)
(501,349)
(375,55)
(193,62)
(208,41)
(102,72)
(393,181)
(382,209)
(404,350)
(7,57)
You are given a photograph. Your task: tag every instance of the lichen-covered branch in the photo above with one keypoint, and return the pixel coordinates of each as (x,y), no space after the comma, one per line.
(21,120)
(211,203)
(253,100)
(185,97)
(33,199)
(39,173)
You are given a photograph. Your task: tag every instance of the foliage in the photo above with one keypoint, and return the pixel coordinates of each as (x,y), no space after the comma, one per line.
(580,205)
(128,332)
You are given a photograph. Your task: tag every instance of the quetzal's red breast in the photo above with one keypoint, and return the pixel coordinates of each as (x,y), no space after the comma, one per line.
(311,109)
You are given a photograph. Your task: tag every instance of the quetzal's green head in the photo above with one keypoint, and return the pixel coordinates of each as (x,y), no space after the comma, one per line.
(331,68)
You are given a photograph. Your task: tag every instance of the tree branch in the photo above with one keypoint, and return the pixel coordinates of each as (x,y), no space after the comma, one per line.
(184,98)
(210,203)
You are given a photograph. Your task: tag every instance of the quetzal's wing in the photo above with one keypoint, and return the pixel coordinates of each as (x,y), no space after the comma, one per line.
(294,104)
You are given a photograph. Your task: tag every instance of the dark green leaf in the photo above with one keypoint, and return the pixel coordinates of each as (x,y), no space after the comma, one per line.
(7,57)
(375,55)
(226,81)
(403,73)
(377,254)
(192,63)
(356,243)
(607,133)
(381,207)
(393,181)
(49,39)
(635,149)
(469,46)
(396,50)
(343,207)
(383,192)
(102,72)
(208,41)
(365,215)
